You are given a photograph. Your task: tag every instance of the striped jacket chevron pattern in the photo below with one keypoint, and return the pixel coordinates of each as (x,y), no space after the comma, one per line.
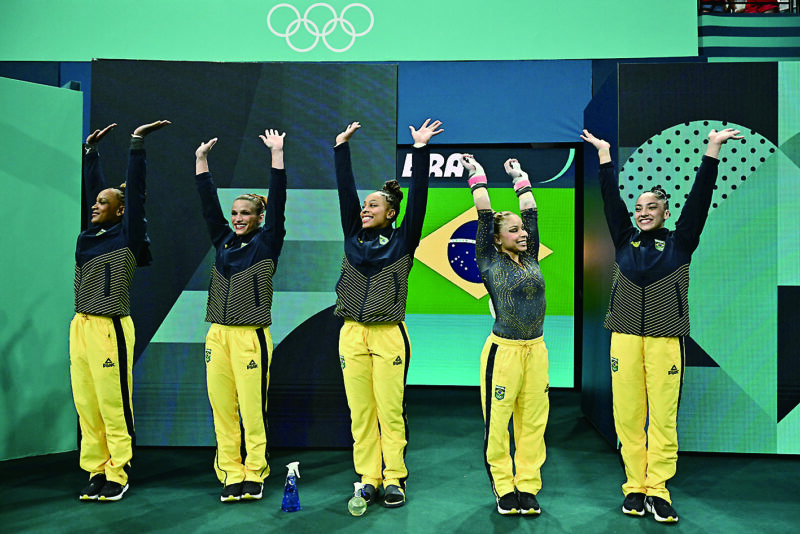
(240,292)
(102,283)
(650,286)
(107,256)
(373,286)
(245,299)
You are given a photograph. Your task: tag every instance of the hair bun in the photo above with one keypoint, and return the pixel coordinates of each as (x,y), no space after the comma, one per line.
(393,188)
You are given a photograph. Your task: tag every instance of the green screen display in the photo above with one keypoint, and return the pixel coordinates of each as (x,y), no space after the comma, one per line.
(340,30)
(40,173)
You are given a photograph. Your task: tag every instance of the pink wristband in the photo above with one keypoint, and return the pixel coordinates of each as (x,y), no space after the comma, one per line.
(521,184)
(477,179)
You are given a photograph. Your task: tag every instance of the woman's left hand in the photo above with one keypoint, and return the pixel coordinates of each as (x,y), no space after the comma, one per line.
(146,129)
(426,131)
(272,139)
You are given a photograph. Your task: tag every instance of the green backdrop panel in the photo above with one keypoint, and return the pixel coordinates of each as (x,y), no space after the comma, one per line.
(340,30)
(40,173)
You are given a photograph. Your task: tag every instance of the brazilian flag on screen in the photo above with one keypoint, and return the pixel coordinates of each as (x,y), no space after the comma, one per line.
(440,285)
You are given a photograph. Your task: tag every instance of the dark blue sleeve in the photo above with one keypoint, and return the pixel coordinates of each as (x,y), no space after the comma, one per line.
(619,222)
(417,197)
(530,221)
(216,222)
(133,220)
(695,210)
(274,217)
(349,205)
(93,179)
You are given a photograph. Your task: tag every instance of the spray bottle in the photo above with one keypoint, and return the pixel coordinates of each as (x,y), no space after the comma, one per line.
(357,505)
(291,499)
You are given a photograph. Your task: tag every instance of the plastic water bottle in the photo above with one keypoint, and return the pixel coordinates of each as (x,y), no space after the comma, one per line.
(357,505)
(291,499)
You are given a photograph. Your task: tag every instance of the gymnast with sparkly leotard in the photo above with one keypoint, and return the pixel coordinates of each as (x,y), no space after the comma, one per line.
(514,365)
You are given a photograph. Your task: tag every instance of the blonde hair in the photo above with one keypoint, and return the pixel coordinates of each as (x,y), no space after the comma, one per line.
(259,201)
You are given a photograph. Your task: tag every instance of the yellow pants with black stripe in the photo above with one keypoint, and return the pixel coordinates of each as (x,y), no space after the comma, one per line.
(514,382)
(374,359)
(646,379)
(101,372)
(237,376)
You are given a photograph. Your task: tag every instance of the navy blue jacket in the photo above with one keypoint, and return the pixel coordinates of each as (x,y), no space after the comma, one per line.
(106,256)
(373,286)
(240,292)
(650,287)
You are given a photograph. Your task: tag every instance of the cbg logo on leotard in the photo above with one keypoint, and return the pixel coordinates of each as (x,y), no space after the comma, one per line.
(338,31)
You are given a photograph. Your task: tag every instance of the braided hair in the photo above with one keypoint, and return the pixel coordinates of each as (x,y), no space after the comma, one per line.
(120,191)
(661,195)
(393,194)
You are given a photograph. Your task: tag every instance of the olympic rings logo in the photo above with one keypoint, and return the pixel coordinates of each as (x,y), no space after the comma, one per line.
(312,28)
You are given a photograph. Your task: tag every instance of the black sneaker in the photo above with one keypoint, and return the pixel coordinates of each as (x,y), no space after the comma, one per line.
(92,490)
(112,491)
(252,491)
(661,510)
(508,504)
(369,493)
(231,492)
(634,504)
(528,503)
(394,497)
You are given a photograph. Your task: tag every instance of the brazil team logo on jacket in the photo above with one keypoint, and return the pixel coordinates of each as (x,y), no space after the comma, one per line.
(659,245)
(341,360)
(208,355)
(499,392)
(614,365)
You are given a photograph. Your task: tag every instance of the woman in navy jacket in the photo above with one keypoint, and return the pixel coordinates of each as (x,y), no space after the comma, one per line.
(238,345)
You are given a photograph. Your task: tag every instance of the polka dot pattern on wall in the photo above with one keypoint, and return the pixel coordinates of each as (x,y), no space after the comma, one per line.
(671,159)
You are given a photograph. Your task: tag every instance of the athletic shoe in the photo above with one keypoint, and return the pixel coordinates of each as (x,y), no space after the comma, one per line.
(231,492)
(92,490)
(508,504)
(112,491)
(661,510)
(394,497)
(252,491)
(369,493)
(528,503)
(634,504)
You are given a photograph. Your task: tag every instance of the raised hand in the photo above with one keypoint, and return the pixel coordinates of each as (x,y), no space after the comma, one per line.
(599,144)
(722,136)
(146,129)
(426,131)
(717,139)
(97,135)
(473,167)
(514,170)
(204,148)
(272,139)
(347,133)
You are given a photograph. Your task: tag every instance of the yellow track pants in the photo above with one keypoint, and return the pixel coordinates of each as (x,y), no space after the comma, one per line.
(237,376)
(514,381)
(374,359)
(101,372)
(646,379)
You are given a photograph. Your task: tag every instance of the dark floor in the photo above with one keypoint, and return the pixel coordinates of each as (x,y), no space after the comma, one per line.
(175,490)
